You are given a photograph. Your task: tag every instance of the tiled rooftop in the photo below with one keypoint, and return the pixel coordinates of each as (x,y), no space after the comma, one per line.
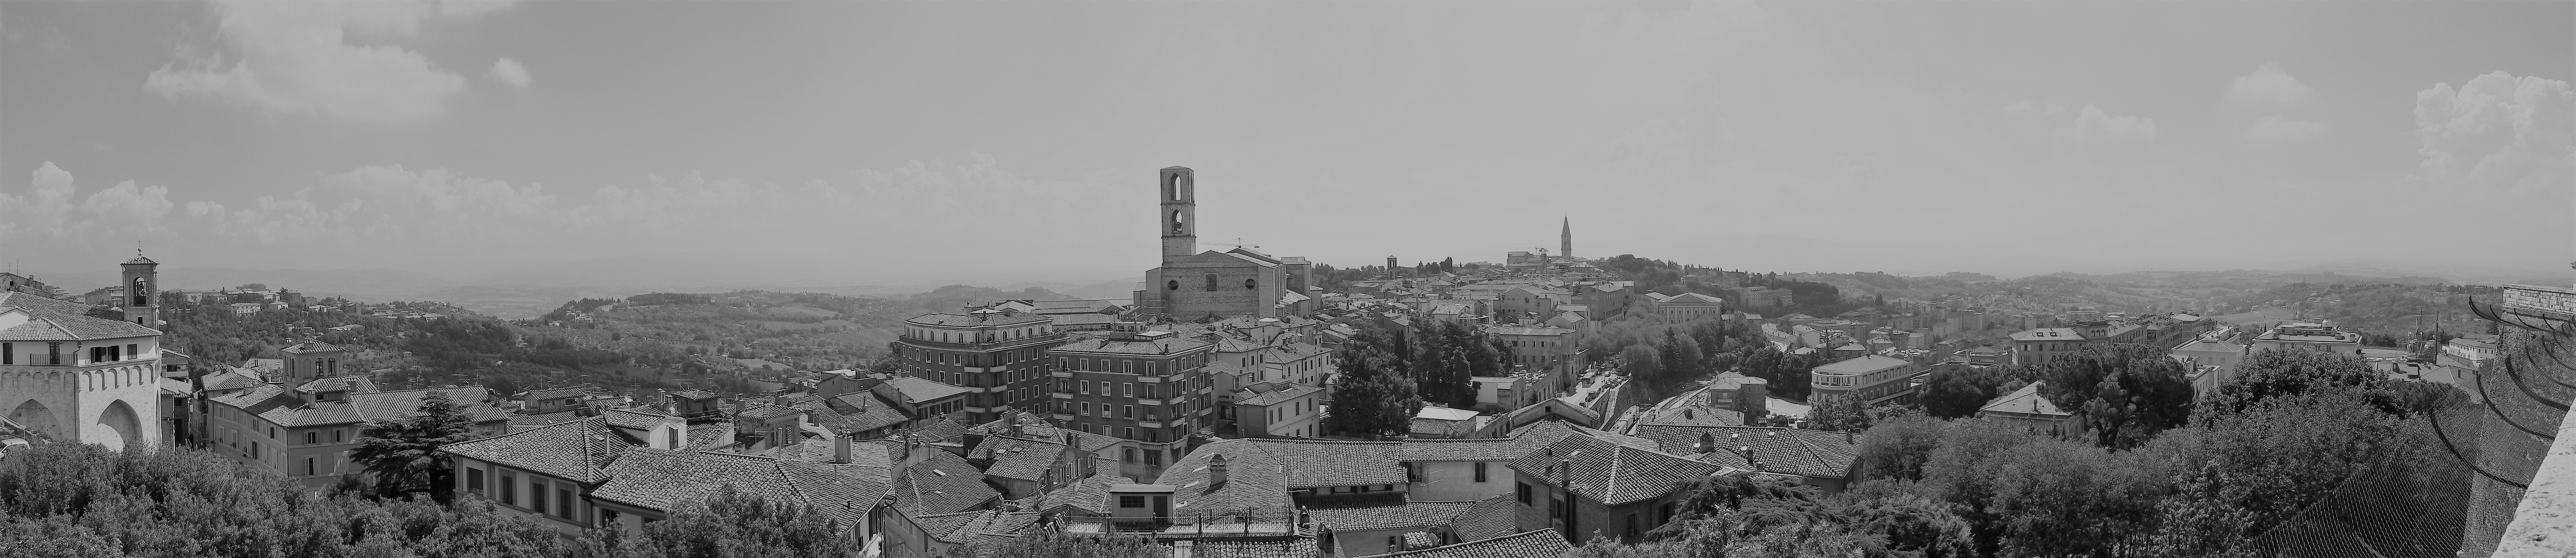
(1543,543)
(1609,472)
(60,320)
(577,450)
(1814,453)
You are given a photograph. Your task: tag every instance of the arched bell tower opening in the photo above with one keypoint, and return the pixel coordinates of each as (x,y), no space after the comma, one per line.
(1179,215)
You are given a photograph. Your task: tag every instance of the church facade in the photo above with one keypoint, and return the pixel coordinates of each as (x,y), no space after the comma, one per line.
(1193,285)
(75,377)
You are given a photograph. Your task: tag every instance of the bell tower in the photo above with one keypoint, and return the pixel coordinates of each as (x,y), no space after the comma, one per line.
(142,281)
(1179,215)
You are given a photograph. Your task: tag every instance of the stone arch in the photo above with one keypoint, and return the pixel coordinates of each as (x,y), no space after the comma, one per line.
(123,425)
(36,416)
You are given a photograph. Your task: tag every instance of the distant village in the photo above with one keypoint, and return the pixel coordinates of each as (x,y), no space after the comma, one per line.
(1194,410)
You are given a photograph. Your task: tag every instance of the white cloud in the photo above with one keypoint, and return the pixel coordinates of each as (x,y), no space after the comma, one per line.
(2092,124)
(2499,133)
(296,58)
(2267,84)
(53,214)
(2275,128)
(510,72)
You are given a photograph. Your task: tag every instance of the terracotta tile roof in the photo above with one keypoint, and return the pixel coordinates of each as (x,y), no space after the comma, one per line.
(939,429)
(1375,518)
(1090,495)
(558,393)
(1299,547)
(1814,453)
(992,319)
(227,379)
(709,435)
(1463,449)
(1262,471)
(1275,396)
(853,412)
(1547,432)
(310,346)
(1608,472)
(338,383)
(916,390)
(2024,401)
(660,479)
(1423,428)
(579,450)
(1171,345)
(61,320)
(768,411)
(1694,413)
(635,420)
(1543,543)
(942,483)
(542,419)
(1017,458)
(386,405)
(1489,518)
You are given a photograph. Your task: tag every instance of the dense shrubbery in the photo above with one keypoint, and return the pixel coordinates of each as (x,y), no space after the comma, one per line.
(2278,438)
(82,500)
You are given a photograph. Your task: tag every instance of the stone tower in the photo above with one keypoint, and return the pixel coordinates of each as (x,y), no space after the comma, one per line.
(142,282)
(1565,240)
(1390,267)
(1179,215)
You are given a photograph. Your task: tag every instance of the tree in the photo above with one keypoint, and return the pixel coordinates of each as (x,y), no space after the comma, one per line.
(1374,397)
(2121,394)
(1898,448)
(1639,362)
(398,451)
(1959,391)
(1843,413)
(730,524)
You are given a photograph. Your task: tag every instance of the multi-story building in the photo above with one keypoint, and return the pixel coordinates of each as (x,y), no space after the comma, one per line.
(1278,410)
(2039,345)
(1550,350)
(1689,307)
(2307,336)
(998,355)
(1874,379)
(1149,386)
(76,378)
(303,424)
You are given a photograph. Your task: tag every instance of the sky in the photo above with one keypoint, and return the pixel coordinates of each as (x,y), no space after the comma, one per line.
(993,139)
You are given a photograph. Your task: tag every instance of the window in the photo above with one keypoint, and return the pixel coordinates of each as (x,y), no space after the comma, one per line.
(1480,471)
(675,438)
(537,495)
(1394,542)
(607,518)
(1632,525)
(8,353)
(312,437)
(510,489)
(308,466)
(563,507)
(1173,285)
(1521,491)
(1249,284)
(1211,282)
(474,480)
(339,435)
(54,354)
(1127,455)
(1153,458)
(1131,501)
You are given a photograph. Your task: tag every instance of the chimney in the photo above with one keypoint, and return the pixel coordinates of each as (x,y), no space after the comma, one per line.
(914,451)
(1216,468)
(841,447)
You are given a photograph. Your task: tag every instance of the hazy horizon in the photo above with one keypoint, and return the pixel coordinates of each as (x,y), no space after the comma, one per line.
(1001,140)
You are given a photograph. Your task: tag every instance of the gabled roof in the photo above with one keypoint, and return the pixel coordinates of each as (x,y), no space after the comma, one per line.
(1409,515)
(2026,401)
(385,405)
(309,346)
(1489,518)
(1262,471)
(1276,396)
(1089,495)
(1543,543)
(1814,453)
(941,483)
(577,450)
(1017,458)
(1609,472)
(853,412)
(50,319)
(661,479)
(1463,449)
(918,390)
